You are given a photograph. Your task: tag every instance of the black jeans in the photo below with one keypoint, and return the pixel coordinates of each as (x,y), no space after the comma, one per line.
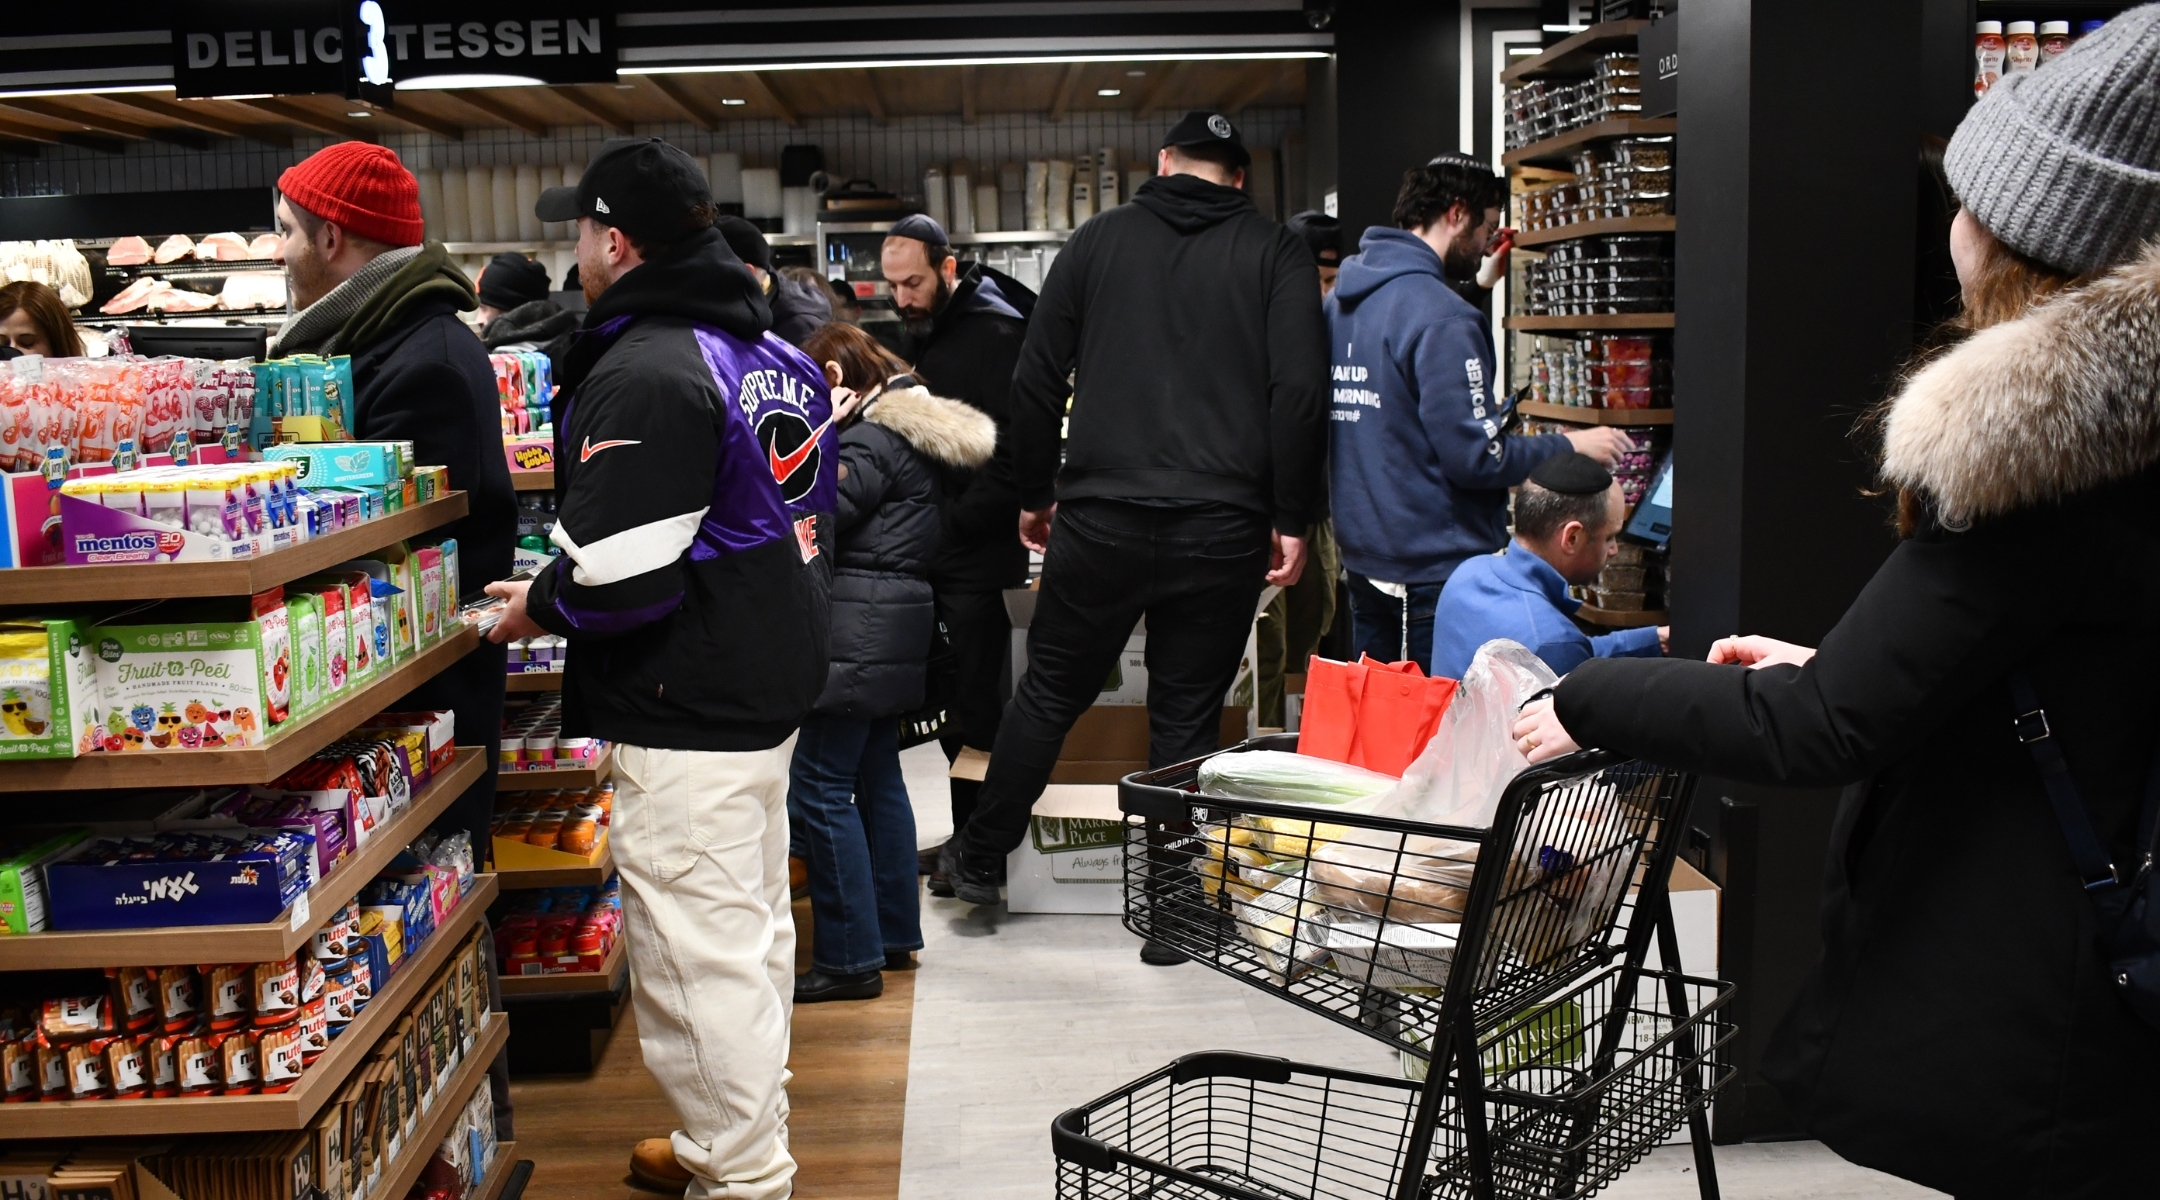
(1376,621)
(1195,573)
(981,636)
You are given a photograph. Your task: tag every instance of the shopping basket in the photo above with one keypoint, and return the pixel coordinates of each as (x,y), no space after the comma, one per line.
(1551,1063)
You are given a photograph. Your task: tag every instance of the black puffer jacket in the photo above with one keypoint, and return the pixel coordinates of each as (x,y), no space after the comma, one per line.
(1961,1029)
(890,498)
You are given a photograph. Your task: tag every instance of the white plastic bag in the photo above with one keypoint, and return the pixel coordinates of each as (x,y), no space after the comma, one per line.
(1458,778)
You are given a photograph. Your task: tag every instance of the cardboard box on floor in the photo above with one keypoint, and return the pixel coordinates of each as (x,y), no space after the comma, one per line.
(1073,860)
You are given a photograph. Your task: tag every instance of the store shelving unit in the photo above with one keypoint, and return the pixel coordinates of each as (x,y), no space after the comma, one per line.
(242,577)
(561,778)
(603,980)
(260,942)
(550,877)
(328,1075)
(285,1110)
(534,681)
(498,1172)
(1577,57)
(533,481)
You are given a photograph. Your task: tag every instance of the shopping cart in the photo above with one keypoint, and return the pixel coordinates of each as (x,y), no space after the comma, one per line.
(1549,1063)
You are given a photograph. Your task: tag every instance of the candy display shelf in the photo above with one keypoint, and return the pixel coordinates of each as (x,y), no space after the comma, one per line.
(293,743)
(245,577)
(564,778)
(498,1173)
(533,481)
(534,681)
(602,980)
(248,943)
(471,1073)
(1581,415)
(318,1084)
(525,879)
(1600,228)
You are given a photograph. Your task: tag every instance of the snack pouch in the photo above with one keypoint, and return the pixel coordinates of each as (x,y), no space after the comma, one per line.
(304,611)
(431,592)
(337,638)
(273,624)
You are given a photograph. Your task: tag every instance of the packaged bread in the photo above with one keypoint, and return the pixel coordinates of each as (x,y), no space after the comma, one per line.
(1412,878)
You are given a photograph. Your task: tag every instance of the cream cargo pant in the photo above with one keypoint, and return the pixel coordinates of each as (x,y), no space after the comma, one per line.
(701,843)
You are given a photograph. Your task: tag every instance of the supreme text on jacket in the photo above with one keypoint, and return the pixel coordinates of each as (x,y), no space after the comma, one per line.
(695,464)
(1191,327)
(1419,469)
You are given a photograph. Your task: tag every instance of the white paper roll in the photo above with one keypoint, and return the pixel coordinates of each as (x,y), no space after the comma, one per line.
(761,193)
(456,215)
(1057,195)
(798,210)
(987,205)
(933,188)
(480,202)
(725,170)
(1083,202)
(431,203)
(528,195)
(963,206)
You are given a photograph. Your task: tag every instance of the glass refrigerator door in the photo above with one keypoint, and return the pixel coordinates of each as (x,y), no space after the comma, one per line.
(851,257)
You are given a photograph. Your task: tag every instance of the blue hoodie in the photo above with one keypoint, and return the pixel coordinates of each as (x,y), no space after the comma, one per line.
(1419,468)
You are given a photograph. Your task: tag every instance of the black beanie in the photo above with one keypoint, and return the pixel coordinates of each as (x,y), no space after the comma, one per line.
(747,241)
(509,280)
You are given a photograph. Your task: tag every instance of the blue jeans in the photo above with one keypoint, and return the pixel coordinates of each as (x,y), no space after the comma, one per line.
(848,806)
(1376,622)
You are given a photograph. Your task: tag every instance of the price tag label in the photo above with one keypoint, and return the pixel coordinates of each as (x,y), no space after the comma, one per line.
(300,914)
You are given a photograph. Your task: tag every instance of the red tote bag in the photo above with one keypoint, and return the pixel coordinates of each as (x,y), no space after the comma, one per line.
(1371,714)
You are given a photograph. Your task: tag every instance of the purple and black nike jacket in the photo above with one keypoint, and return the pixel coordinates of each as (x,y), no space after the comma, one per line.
(696,469)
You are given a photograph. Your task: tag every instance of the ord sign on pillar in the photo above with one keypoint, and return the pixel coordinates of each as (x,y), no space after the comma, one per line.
(289,47)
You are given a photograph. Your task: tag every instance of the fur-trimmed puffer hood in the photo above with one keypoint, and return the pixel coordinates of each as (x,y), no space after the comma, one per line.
(945,431)
(2062,400)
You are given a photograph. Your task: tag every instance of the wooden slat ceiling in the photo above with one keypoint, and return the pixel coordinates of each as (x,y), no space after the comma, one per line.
(1153,89)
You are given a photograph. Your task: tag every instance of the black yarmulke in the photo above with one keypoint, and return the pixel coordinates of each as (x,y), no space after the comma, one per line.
(1571,474)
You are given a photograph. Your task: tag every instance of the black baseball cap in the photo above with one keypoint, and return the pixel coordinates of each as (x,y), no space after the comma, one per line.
(1202,128)
(642,186)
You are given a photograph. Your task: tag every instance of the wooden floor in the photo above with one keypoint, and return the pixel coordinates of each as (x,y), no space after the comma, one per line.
(849,1098)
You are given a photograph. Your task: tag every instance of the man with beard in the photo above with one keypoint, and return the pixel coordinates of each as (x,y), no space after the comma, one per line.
(1420,465)
(966,337)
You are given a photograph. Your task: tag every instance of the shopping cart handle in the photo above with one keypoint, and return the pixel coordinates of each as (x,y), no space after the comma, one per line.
(1214,1064)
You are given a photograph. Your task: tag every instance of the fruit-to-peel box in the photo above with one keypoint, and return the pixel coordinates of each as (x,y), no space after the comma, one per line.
(191,685)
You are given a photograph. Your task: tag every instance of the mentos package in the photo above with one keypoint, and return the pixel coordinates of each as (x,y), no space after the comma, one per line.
(50,705)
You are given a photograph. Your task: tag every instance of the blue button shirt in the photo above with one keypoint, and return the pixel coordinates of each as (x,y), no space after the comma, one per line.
(1518,596)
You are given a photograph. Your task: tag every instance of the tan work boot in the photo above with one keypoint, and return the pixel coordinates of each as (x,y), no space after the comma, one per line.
(653,1165)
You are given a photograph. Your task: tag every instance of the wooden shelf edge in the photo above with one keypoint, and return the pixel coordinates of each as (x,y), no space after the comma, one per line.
(1530,324)
(159,581)
(251,764)
(533,481)
(1603,228)
(559,778)
(515,880)
(499,1174)
(287,1110)
(434,1126)
(1621,620)
(1597,131)
(64,949)
(1595,36)
(602,980)
(534,681)
(1578,415)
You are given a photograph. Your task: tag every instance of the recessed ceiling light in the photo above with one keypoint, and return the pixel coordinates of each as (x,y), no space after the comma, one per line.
(1109,92)
(1135,73)
(732,101)
(1524,50)
(361,113)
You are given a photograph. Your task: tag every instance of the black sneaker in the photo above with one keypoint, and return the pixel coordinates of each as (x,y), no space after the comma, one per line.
(899,960)
(970,881)
(1156,954)
(814,986)
(940,884)
(926,859)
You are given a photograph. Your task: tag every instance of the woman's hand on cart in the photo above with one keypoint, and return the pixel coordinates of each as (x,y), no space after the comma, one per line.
(1757,652)
(1539,733)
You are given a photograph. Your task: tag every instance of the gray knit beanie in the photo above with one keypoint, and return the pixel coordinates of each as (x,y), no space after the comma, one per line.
(2063,163)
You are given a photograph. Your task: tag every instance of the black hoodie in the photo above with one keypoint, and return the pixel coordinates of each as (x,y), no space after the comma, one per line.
(696,467)
(1192,327)
(969,355)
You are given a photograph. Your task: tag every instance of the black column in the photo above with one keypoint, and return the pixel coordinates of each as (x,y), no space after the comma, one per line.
(1398,89)
(1797,186)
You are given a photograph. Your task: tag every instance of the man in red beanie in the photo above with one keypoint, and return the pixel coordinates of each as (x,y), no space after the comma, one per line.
(351,241)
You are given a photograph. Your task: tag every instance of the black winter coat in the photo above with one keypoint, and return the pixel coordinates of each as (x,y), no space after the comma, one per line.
(882,613)
(1190,327)
(1960,1030)
(969,355)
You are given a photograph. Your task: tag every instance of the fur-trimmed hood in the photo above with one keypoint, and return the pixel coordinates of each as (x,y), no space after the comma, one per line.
(944,431)
(2064,399)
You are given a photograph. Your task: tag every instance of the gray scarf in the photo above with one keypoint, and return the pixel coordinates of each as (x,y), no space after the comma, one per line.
(319,328)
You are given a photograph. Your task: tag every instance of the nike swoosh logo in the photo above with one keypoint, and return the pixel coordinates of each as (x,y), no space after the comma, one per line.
(784,469)
(585,454)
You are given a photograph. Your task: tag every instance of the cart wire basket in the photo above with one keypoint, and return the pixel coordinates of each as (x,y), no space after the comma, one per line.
(1549,1064)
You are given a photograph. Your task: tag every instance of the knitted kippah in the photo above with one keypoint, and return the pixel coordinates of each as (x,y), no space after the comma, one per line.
(1571,474)
(919,227)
